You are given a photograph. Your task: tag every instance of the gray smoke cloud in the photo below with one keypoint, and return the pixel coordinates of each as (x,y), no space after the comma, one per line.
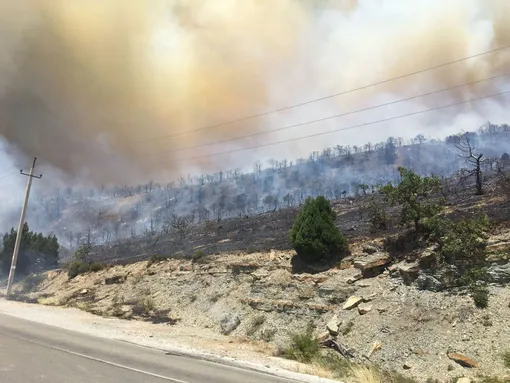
(84,85)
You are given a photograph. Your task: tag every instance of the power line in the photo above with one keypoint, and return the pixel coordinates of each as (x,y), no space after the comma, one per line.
(8,175)
(6,169)
(337,130)
(325,97)
(330,117)
(7,187)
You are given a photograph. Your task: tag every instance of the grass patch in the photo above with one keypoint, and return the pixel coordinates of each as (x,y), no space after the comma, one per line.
(480,297)
(198,256)
(76,268)
(373,374)
(303,347)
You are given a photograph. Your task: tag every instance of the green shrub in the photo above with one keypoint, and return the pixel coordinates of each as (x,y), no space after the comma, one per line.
(377,215)
(304,347)
(413,195)
(96,266)
(82,254)
(199,255)
(465,242)
(76,268)
(30,282)
(435,228)
(480,297)
(314,235)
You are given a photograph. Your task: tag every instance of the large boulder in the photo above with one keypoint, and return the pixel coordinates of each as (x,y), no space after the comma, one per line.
(352,302)
(337,288)
(229,324)
(428,282)
(408,271)
(373,264)
(463,360)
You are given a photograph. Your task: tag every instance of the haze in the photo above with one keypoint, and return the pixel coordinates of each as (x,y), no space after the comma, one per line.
(97,90)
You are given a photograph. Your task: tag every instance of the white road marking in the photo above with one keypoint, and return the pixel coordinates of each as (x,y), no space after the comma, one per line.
(97,359)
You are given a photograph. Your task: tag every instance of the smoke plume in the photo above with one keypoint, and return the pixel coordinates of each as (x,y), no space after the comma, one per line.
(99,89)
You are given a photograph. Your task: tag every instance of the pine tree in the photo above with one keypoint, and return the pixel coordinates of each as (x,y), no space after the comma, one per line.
(314,235)
(36,251)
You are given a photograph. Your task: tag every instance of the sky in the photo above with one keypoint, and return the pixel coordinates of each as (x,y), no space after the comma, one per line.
(101,91)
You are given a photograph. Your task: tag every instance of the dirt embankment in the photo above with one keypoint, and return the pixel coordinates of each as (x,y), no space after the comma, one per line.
(259,299)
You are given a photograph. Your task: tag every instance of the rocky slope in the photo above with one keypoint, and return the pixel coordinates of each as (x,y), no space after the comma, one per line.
(264,297)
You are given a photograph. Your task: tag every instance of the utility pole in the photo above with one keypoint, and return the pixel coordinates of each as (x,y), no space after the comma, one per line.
(21,225)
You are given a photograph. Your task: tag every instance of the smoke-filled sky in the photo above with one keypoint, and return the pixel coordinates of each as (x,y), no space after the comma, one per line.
(99,89)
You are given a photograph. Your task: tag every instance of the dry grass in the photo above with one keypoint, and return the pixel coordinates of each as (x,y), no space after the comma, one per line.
(365,374)
(314,369)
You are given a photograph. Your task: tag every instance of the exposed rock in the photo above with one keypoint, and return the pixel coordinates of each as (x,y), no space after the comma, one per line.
(370,249)
(332,326)
(428,257)
(364,308)
(352,302)
(322,337)
(447,275)
(369,298)
(463,360)
(84,291)
(408,271)
(229,324)
(428,282)
(499,273)
(346,263)
(407,366)
(355,277)
(336,289)
(375,347)
(185,267)
(373,264)
(463,380)
(115,280)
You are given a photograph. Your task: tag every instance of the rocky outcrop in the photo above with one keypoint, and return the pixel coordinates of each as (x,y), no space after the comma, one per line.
(352,302)
(333,326)
(117,279)
(428,282)
(463,360)
(499,273)
(336,289)
(364,308)
(408,271)
(229,324)
(373,264)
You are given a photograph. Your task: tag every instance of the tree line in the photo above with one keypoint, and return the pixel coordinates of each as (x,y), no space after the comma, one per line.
(37,252)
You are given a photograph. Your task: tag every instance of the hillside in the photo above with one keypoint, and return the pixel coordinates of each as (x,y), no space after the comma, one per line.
(238,277)
(112,215)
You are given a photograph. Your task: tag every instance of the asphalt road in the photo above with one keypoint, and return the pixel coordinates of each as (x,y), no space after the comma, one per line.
(32,352)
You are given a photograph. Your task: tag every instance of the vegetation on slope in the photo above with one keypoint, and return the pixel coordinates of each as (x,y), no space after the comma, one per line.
(314,235)
(37,252)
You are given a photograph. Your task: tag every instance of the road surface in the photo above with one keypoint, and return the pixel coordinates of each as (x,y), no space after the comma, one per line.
(32,352)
